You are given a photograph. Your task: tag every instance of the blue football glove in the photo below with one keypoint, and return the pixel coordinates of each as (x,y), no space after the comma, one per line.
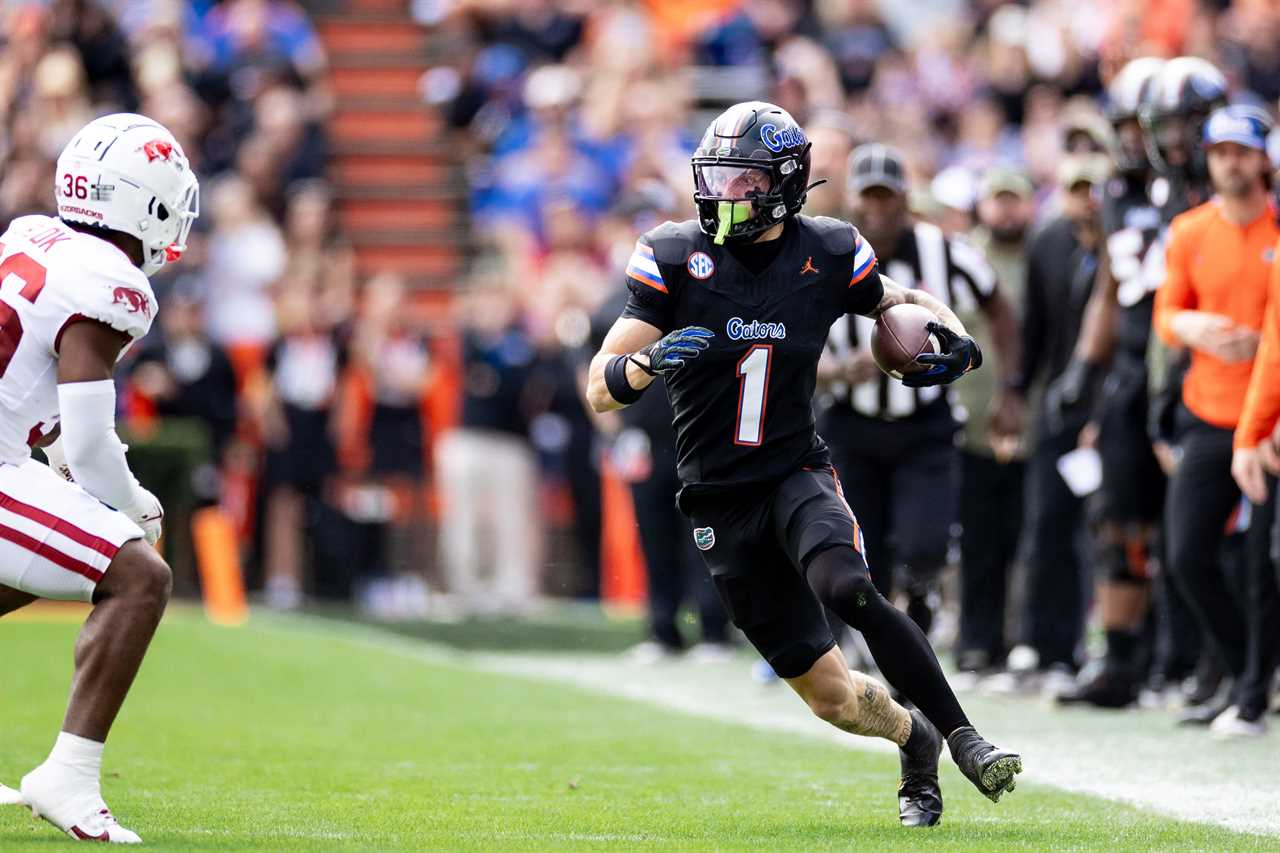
(959,355)
(669,354)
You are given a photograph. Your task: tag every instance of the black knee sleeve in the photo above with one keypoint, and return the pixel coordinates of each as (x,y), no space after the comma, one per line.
(1126,559)
(839,577)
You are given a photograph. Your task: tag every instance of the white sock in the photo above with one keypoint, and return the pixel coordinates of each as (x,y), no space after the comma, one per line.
(77,753)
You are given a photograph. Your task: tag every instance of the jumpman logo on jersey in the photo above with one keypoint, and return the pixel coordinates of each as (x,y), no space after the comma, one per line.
(808,266)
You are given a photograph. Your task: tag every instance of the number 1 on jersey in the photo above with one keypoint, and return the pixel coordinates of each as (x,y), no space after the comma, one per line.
(753,388)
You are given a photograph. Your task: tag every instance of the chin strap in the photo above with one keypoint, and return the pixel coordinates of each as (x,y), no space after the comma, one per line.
(816,183)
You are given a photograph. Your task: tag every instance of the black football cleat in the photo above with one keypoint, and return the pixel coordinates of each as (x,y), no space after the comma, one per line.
(991,770)
(1110,688)
(919,794)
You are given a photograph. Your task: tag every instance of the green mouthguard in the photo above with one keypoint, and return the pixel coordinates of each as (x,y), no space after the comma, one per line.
(730,213)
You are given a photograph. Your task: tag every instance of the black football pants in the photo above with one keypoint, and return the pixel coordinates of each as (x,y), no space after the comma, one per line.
(991,521)
(1053,619)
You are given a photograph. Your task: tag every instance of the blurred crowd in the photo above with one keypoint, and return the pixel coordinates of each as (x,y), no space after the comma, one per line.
(264,322)
(574,121)
(577,120)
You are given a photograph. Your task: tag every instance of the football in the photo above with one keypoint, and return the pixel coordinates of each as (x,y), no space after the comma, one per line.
(900,336)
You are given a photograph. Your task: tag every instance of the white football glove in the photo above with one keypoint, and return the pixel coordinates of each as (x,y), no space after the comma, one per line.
(147,513)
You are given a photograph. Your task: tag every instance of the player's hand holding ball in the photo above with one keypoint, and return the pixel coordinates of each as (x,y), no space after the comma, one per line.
(960,354)
(911,345)
(669,354)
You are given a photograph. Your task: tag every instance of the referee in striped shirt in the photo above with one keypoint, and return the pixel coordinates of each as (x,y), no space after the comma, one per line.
(895,446)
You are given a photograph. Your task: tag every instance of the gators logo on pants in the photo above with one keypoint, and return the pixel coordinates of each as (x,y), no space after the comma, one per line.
(704,538)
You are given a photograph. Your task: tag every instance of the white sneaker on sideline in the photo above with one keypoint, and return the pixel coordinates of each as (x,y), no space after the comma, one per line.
(73,804)
(650,652)
(711,653)
(1228,724)
(1058,681)
(10,797)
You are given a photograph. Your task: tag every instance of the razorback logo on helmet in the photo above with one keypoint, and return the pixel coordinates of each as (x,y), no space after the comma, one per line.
(134,300)
(157,149)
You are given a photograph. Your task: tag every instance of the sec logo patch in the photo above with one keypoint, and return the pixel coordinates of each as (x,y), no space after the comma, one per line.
(701,266)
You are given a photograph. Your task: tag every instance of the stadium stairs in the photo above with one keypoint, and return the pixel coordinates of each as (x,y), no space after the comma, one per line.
(401,194)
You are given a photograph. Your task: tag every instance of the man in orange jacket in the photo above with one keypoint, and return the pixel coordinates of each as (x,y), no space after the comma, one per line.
(1255,460)
(1219,262)
(1257,439)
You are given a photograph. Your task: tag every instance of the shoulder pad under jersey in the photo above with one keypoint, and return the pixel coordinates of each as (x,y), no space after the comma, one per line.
(117,294)
(837,236)
(672,242)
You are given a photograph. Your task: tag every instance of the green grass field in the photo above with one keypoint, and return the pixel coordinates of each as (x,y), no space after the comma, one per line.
(294,734)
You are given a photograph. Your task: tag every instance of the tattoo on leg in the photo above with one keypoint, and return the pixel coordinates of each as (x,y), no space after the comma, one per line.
(875,714)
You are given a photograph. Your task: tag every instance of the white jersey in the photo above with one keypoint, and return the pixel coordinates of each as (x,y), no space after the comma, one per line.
(50,277)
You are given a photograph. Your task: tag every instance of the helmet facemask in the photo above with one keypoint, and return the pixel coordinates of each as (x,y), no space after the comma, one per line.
(739,194)
(739,198)
(175,226)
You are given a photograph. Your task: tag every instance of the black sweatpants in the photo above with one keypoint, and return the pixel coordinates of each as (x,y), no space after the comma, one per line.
(1263,606)
(1054,615)
(899,477)
(1202,498)
(990,512)
(673,566)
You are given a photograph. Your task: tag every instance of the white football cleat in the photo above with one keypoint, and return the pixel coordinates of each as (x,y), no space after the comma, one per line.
(51,792)
(1229,724)
(10,797)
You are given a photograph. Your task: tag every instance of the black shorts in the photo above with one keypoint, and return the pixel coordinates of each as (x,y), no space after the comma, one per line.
(395,434)
(1133,484)
(309,457)
(757,544)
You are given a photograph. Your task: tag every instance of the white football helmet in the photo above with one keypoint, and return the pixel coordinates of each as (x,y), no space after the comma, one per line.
(127,173)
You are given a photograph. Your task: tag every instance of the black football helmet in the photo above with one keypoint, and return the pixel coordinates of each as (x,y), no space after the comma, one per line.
(750,171)
(1177,104)
(1125,96)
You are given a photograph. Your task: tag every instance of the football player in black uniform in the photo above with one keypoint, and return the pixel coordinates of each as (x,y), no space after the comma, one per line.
(1158,110)
(1173,116)
(733,310)
(1113,344)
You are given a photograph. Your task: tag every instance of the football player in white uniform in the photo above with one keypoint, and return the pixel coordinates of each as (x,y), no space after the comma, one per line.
(74,295)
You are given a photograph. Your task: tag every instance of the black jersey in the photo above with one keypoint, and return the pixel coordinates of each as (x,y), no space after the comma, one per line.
(1131,222)
(743,409)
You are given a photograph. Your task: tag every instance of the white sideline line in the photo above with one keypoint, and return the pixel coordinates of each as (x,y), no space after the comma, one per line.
(1136,757)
